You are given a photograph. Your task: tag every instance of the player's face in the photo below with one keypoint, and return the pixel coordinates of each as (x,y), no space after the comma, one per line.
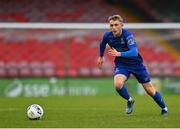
(116,27)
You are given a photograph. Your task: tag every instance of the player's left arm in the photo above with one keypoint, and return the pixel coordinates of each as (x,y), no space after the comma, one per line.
(132,52)
(131,43)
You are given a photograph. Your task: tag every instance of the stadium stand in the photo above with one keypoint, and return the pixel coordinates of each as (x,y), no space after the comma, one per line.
(38,56)
(169,12)
(56,11)
(80,11)
(47,53)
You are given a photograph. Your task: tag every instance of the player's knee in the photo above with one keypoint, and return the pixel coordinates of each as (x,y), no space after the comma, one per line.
(150,90)
(118,85)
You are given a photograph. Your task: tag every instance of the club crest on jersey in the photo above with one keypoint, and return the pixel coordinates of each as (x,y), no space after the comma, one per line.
(130,40)
(110,41)
(122,41)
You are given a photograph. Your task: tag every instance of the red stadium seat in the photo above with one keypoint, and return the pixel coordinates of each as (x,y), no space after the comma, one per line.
(37,57)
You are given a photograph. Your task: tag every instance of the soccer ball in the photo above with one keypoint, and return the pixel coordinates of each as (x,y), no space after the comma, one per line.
(35,112)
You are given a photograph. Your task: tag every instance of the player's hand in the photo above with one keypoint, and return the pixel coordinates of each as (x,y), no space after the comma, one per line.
(100,62)
(113,52)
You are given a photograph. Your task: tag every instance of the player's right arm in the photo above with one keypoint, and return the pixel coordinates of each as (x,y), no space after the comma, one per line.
(102,48)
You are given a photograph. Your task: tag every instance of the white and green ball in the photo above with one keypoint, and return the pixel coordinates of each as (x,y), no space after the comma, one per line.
(35,112)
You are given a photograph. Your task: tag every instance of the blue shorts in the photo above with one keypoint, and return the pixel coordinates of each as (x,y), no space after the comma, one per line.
(139,72)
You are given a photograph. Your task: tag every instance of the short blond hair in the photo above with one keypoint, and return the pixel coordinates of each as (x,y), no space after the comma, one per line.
(115,17)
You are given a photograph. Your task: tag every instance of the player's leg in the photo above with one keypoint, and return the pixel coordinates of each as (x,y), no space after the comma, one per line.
(119,80)
(120,76)
(143,77)
(149,88)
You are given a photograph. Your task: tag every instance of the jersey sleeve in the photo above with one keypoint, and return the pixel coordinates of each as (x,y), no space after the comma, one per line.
(102,45)
(130,40)
(131,43)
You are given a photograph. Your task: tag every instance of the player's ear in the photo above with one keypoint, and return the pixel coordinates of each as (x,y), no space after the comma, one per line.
(121,23)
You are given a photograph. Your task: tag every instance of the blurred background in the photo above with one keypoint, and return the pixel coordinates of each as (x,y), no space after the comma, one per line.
(58,62)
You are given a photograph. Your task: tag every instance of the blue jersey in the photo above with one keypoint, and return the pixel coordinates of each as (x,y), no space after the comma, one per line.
(122,44)
(130,61)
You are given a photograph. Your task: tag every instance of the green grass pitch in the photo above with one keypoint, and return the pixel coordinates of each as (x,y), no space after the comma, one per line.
(89,112)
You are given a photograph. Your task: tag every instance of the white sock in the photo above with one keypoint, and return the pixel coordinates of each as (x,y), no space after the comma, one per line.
(166,109)
(130,99)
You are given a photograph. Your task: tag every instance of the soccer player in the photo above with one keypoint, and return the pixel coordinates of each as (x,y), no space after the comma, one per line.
(127,61)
